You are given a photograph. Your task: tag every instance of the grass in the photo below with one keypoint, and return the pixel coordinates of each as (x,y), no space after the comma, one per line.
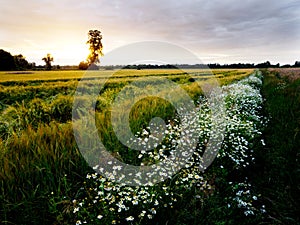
(183,198)
(41,169)
(40,166)
(277,173)
(35,164)
(16,88)
(34,76)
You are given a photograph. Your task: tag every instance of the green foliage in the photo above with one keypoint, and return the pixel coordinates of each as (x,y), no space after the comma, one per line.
(41,169)
(61,108)
(277,174)
(38,171)
(103,201)
(21,63)
(36,112)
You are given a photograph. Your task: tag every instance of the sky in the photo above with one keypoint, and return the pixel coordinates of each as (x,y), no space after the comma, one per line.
(216,31)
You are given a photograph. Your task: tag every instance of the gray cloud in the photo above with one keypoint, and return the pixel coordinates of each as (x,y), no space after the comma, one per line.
(236,30)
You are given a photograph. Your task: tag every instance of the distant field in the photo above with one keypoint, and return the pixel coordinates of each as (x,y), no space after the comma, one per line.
(291,74)
(78,74)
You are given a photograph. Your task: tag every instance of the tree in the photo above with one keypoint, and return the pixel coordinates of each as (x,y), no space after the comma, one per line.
(6,61)
(48,59)
(94,41)
(83,65)
(266,64)
(20,62)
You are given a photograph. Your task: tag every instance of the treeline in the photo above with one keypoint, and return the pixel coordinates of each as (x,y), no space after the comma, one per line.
(16,62)
(266,64)
(149,66)
(19,62)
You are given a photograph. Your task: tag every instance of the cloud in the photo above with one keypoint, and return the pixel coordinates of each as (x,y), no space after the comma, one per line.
(212,28)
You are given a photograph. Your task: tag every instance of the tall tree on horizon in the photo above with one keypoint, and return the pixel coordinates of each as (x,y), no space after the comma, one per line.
(95,46)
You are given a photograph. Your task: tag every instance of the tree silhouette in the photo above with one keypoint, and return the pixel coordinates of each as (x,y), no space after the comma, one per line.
(21,62)
(83,66)
(48,59)
(94,41)
(6,61)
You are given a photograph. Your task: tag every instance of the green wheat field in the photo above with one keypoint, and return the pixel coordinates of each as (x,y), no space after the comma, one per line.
(45,180)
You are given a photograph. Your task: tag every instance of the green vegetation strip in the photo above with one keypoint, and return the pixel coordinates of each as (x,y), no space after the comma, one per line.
(41,169)
(59,75)
(277,174)
(103,201)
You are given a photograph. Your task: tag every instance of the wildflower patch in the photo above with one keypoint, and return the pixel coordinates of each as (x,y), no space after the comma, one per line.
(102,200)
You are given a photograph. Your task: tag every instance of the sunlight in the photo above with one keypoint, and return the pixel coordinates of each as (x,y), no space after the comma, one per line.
(70,54)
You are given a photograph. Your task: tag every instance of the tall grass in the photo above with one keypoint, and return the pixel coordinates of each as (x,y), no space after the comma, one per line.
(40,165)
(34,164)
(277,174)
(220,196)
